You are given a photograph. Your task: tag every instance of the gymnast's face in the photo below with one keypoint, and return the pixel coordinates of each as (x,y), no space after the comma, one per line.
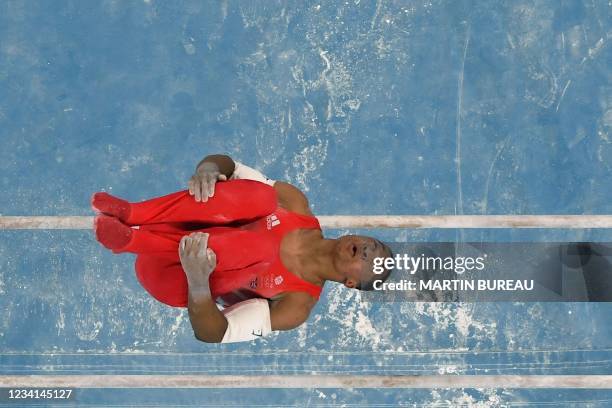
(354,258)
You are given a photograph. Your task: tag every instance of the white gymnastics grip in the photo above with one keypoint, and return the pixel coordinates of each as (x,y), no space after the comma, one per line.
(243,172)
(247,320)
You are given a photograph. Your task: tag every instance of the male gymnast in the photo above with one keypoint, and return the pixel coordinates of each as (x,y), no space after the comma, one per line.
(239,240)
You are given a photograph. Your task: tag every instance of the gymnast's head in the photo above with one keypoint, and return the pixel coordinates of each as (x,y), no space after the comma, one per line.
(354,259)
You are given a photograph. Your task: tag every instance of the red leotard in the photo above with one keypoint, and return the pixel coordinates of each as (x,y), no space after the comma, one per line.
(270,277)
(246,227)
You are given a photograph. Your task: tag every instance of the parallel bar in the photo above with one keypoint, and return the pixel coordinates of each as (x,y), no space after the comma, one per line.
(308,381)
(366,221)
(466,221)
(47,222)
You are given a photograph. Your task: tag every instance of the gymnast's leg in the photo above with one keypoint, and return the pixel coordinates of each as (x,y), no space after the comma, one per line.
(163,278)
(236,200)
(235,248)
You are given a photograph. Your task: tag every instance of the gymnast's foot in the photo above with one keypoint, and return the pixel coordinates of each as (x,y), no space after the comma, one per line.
(110,205)
(111,232)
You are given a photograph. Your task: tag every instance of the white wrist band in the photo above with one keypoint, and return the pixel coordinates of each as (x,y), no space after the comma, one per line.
(247,320)
(243,172)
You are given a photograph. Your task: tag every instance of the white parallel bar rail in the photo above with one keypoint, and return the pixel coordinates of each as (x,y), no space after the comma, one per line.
(364,221)
(307,381)
(466,221)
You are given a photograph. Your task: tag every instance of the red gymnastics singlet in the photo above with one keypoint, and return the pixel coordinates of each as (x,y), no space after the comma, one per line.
(246,227)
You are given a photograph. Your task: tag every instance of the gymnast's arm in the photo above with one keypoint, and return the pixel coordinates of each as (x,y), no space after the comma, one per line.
(225,164)
(291,310)
(198,262)
(241,322)
(289,196)
(208,323)
(246,320)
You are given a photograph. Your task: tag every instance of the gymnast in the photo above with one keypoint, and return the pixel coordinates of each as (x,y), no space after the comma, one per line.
(242,252)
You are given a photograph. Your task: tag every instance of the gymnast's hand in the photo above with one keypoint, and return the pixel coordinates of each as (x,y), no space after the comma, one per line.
(202,183)
(197,259)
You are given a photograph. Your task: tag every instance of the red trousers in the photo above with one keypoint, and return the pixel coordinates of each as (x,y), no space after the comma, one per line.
(164,220)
